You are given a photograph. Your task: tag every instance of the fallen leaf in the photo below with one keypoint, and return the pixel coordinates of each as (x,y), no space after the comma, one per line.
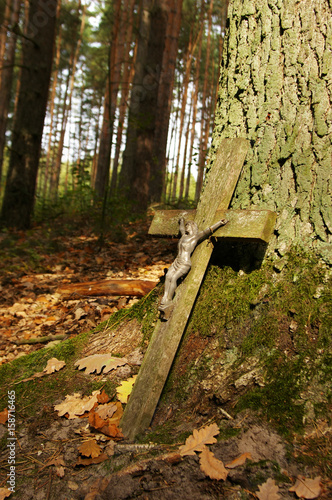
(211,466)
(79,313)
(198,439)
(268,491)
(88,461)
(72,485)
(60,471)
(104,426)
(110,448)
(4,493)
(239,460)
(90,449)
(117,415)
(103,397)
(107,410)
(3,416)
(54,365)
(307,488)
(75,405)
(123,391)
(97,362)
(56,461)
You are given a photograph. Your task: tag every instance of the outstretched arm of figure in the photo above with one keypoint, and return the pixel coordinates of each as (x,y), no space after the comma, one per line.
(210,230)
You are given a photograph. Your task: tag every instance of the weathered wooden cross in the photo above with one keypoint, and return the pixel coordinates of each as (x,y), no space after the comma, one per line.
(213,204)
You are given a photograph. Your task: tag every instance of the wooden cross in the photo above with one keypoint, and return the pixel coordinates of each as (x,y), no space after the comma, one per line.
(213,204)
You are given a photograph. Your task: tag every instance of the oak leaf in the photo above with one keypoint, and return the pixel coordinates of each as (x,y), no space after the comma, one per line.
(107,410)
(239,460)
(211,466)
(4,493)
(268,491)
(104,426)
(307,488)
(90,449)
(115,419)
(198,439)
(123,390)
(54,365)
(4,416)
(97,362)
(75,405)
(88,461)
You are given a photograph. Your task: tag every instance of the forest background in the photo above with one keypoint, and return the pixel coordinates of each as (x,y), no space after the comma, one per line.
(105,102)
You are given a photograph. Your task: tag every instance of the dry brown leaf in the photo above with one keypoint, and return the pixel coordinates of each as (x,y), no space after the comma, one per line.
(123,390)
(307,488)
(103,397)
(4,416)
(211,466)
(106,411)
(88,461)
(97,362)
(90,449)
(104,426)
(56,461)
(4,493)
(239,460)
(268,491)
(198,440)
(110,448)
(60,471)
(54,365)
(75,405)
(117,415)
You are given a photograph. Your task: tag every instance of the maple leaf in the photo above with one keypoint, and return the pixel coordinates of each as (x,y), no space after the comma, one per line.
(75,405)
(268,491)
(4,493)
(198,439)
(307,488)
(239,460)
(4,416)
(97,362)
(54,365)
(211,466)
(123,390)
(90,449)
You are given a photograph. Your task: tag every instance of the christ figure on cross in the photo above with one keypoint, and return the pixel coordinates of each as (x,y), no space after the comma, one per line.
(190,236)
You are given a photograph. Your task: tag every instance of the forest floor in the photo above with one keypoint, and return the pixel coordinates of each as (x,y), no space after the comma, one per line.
(50,459)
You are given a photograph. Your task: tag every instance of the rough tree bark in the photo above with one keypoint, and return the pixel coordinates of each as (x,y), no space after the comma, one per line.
(276,91)
(37,55)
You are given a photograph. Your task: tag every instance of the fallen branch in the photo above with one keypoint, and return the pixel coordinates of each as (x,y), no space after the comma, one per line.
(41,340)
(114,287)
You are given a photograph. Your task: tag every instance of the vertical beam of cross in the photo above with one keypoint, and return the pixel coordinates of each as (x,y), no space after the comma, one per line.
(217,194)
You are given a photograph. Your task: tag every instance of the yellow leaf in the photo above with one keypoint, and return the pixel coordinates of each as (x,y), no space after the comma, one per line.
(307,488)
(54,365)
(123,391)
(268,491)
(211,466)
(239,461)
(198,440)
(90,449)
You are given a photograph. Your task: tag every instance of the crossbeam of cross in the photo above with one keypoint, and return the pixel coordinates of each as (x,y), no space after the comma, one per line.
(165,340)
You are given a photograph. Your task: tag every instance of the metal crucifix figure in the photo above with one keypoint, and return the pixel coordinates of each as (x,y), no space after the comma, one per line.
(190,236)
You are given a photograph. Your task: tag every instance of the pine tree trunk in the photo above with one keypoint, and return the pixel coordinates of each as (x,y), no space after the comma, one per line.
(111,92)
(7,61)
(275,90)
(138,157)
(37,56)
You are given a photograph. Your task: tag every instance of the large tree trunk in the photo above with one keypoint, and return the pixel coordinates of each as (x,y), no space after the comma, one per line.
(276,90)
(37,55)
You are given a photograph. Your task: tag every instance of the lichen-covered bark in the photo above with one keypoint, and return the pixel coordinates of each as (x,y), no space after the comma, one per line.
(276,91)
